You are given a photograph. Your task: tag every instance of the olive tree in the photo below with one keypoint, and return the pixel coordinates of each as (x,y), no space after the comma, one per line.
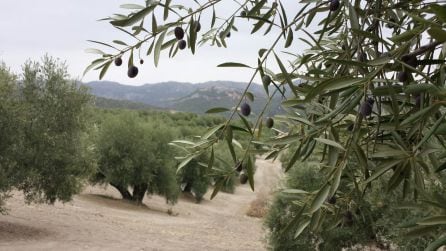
(55,158)
(135,154)
(9,131)
(44,119)
(369,90)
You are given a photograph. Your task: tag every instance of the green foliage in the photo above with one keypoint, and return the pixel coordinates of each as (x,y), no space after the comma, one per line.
(369,103)
(376,219)
(43,149)
(338,231)
(224,167)
(195,178)
(106,103)
(55,153)
(132,152)
(197,175)
(147,133)
(282,211)
(9,131)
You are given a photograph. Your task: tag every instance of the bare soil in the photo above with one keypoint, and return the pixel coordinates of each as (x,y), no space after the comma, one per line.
(98,219)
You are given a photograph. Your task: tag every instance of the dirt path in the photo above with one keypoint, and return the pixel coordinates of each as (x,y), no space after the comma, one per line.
(96,220)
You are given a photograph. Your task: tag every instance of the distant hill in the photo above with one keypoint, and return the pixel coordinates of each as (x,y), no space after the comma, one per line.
(107,103)
(196,98)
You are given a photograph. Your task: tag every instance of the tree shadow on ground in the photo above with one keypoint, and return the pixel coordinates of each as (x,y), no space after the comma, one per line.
(17,231)
(121,204)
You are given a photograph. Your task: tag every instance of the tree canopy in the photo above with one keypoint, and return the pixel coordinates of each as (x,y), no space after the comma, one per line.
(44,119)
(133,153)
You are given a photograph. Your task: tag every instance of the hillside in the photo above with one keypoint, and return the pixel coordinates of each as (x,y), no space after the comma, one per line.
(107,103)
(196,98)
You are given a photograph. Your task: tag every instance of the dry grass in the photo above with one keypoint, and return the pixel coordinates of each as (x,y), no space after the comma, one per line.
(258,207)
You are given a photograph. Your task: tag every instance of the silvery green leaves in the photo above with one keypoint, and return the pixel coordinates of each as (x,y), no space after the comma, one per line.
(362,86)
(144,28)
(366,103)
(143,40)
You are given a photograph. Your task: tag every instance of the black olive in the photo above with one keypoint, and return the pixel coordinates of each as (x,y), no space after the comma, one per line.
(410,60)
(403,76)
(362,57)
(182,44)
(334,5)
(245,109)
(132,71)
(197,26)
(179,33)
(243,178)
(269,122)
(367,107)
(239,166)
(118,61)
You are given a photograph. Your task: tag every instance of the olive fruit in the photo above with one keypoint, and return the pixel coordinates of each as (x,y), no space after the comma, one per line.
(179,33)
(228,35)
(132,71)
(118,61)
(348,218)
(332,200)
(367,107)
(418,100)
(245,109)
(350,127)
(239,166)
(266,80)
(410,60)
(243,178)
(141,61)
(197,26)
(243,13)
(334,5)
(182,44)
(403,76)
(362,57)
(269,122)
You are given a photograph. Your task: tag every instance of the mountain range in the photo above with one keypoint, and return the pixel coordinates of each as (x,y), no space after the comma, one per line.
(187,97)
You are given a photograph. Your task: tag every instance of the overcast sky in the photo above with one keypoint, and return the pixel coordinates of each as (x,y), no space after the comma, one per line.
(29,29)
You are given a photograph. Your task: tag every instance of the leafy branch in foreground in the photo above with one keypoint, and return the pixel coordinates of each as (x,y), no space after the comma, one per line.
(366,98)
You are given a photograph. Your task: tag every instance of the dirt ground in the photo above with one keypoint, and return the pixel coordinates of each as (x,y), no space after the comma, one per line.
(98,220)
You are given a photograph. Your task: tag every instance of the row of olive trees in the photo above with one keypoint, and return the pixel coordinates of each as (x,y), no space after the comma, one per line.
(43,125)
(52,143)
(135,156)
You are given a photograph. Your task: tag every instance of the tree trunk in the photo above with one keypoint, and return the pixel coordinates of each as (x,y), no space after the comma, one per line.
(188,187)
(138,192)
(124,192)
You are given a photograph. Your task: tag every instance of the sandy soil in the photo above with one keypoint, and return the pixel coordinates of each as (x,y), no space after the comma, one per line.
(98,220)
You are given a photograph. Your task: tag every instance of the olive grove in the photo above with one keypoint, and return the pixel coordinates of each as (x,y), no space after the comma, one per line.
(365,99)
